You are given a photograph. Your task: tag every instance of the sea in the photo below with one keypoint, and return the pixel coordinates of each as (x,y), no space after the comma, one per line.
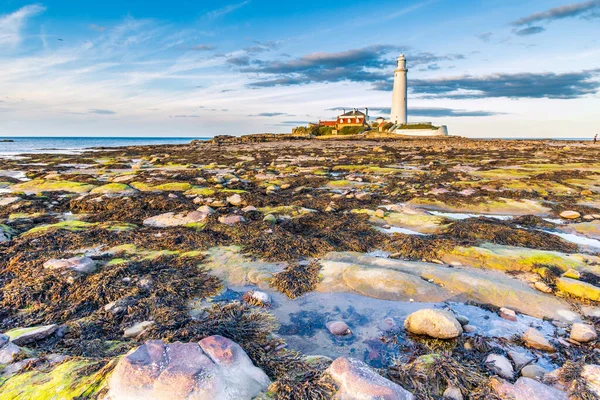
(70,145)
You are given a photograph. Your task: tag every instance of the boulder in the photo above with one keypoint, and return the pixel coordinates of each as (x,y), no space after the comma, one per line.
(438,324)
(508,314)
(171,219)
(137,329)
(526,389)
(535,339)
(583,333)
(82,265)
(452,393)
(570,214)
(520,358)
(7,349)
(500,365)
(338,328)
(231,219)
(213,369)
(22,336)
(235,199)
(578,288)
(533,372)
(356,380)
(591,374)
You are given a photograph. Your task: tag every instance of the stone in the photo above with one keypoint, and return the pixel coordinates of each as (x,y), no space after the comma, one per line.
(500,365)
(22,336)
(205,209)
(137,329)
(270,219)
(570,214)
(261,297)
(542,287)
(338,328)
(469,328)
(508,314)
(171,219)
(591,373)
(235,199)
(356,380)
(435,323)
(8,200)
(249,208)
(82,265)
(571,273)
(535,339)
(231,219)
(5,235)
(452,393)
(7,349)
(380,213)
(533,372)
(526,389)
(363,196)
(583,333)
(520,358)
(213,369)
(588,217)
(578,289)
(462,320)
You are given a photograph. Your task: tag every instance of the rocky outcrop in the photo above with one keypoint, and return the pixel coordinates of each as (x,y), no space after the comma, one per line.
(390,279)
(213,369)
(356,380)
(22,336)
(437,324)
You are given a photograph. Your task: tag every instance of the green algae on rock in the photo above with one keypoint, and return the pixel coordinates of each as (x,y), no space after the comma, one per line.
(50,185)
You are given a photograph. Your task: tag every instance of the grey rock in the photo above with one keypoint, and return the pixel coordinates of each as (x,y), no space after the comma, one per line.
(338,328)
(533,372)
(500,365)
(22,336)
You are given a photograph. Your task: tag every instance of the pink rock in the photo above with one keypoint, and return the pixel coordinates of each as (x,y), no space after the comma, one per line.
(214,369)
(356,380)
(338,328)
(508,314)
(526,389)
(231,219)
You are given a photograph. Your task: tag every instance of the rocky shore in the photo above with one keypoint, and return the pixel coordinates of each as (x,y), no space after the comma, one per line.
(269,268)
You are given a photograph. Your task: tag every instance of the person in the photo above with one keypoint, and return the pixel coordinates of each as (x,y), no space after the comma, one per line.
(595,138)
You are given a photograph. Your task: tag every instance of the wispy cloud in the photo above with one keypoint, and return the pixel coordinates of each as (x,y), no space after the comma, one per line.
(203,47)
(532,30)
(11,25)
(585,9)
(101,112)
(220,12)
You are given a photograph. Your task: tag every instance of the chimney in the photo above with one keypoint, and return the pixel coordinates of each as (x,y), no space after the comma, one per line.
(366,114)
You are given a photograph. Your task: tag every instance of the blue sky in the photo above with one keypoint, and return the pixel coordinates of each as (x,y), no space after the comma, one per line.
(195,68)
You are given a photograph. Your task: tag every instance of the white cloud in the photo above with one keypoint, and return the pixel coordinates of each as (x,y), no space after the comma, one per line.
(11,25)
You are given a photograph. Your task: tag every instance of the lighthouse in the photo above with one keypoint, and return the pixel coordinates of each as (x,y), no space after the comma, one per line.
(399,107)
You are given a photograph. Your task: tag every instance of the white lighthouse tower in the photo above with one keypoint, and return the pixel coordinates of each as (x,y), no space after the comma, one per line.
(399,106)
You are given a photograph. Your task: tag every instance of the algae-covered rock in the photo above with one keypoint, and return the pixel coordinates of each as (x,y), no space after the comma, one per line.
(51,185)
(500,206)
(21,336)
(578,289)
(510,258)
(114,188)
(162,187)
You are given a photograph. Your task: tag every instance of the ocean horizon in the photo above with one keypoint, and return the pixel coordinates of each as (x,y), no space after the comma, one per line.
(64,144)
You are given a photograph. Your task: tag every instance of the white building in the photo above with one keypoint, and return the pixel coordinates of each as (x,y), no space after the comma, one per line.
(399,113)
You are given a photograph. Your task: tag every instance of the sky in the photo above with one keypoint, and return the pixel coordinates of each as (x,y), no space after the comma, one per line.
(484,68)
